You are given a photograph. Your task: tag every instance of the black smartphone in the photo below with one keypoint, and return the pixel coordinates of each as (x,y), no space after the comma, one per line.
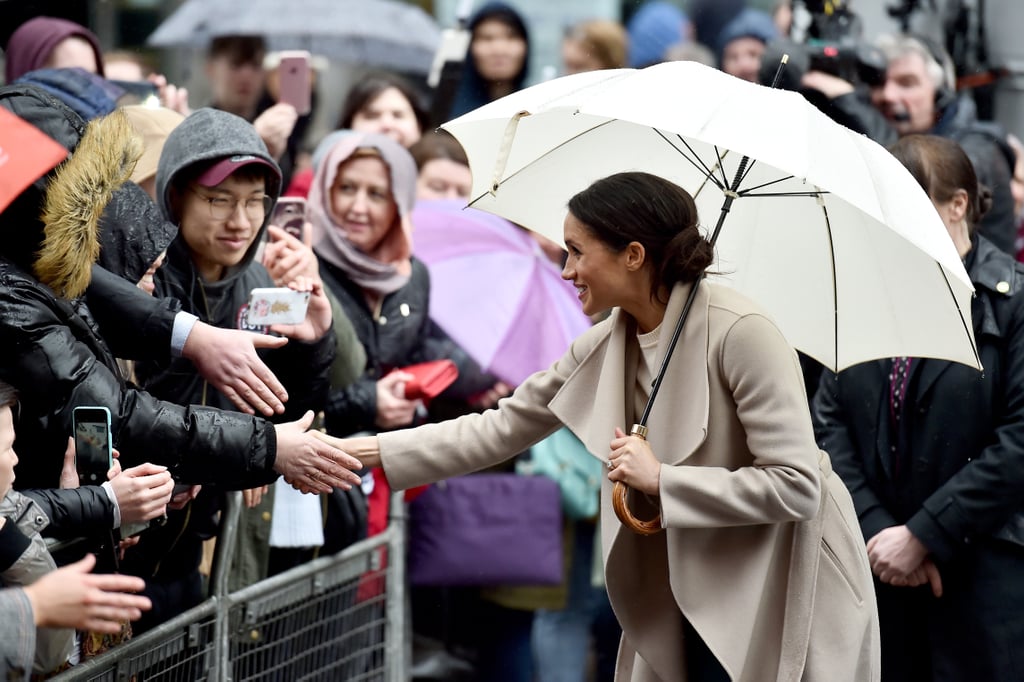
(93,444)
(290,215)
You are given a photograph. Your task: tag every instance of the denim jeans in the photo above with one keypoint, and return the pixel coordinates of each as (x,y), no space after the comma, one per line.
(561,639)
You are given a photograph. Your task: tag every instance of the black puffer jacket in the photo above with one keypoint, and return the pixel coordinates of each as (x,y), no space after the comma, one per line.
(401,333)
(57,361)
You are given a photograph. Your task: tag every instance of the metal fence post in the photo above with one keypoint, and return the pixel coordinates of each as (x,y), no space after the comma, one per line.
(399,645)
(227,535)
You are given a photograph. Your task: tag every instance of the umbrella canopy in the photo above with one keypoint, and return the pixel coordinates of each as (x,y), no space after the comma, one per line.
(827,230)
(382,33)
(494,291)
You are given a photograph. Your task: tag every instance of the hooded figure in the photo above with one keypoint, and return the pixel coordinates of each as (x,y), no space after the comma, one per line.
(203,151)
(56,358)
(32,45)
(207,138)
(654,28)
(474,88)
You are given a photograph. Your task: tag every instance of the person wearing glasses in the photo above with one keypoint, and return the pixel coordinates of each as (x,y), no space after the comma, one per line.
(217,182)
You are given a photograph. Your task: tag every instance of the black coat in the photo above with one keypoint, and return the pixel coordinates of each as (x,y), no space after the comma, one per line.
(960,486)
(57,361)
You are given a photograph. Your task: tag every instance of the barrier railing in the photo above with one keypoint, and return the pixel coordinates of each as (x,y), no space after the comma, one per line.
(340,617)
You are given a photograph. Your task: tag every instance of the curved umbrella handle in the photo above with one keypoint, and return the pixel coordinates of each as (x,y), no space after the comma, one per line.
(620,503)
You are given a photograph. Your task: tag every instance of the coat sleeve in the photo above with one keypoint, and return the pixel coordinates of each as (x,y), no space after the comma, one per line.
(856,112)
(17,634)
(135,325)
(782,483)
(55,371)
(986,491)
(832,427)
(431,452)
(352,408)
(74,512)
(33,561)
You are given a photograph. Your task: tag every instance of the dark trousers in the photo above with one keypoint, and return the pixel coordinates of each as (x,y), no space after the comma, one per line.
(701,664)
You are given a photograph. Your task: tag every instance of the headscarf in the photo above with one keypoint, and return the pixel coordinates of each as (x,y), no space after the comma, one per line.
(388,268)
(32,43)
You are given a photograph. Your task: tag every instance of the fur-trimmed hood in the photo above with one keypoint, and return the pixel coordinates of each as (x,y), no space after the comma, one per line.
(61,249)
(75,199)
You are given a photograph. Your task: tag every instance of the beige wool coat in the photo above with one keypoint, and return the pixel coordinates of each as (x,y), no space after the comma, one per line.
(762,551)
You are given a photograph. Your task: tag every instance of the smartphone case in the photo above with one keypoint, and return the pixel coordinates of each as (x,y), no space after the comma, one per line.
(293,81)
(277,305)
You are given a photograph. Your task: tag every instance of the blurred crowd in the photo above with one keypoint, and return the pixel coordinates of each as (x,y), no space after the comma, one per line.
(136,297)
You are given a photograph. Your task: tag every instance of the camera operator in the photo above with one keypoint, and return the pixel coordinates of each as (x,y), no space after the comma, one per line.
(918,95)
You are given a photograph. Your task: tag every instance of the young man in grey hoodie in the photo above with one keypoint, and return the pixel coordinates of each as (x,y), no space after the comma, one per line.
(217,182)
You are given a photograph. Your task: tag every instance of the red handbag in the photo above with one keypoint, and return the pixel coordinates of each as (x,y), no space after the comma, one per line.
(429,379)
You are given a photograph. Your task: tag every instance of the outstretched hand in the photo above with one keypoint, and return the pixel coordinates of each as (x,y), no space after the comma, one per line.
(227,359)
(309,464)
(72,597)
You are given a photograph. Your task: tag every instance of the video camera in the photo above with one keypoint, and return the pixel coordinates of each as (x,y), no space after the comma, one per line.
(825,37)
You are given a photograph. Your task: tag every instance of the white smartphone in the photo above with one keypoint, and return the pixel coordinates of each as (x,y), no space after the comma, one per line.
(294,80)
(276,305)
(93,447)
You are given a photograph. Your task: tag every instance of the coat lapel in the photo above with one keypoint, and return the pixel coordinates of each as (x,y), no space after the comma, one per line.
(678,421)
(603,375)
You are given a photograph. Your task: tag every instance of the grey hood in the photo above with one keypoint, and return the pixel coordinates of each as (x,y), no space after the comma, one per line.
(207,135)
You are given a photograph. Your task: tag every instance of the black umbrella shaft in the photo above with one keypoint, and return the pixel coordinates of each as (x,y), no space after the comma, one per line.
(730,196)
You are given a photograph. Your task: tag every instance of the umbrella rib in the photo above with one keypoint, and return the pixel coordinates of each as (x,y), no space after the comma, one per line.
(721,167)
(554,149)
(835,286)
(785,194)
(965,323)
(747,191)
(695,161)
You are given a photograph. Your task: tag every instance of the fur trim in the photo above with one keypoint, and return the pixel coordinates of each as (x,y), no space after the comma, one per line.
(75,198)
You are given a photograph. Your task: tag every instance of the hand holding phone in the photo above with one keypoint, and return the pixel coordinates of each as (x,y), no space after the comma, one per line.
(93,444)
(293,78)
(290,215)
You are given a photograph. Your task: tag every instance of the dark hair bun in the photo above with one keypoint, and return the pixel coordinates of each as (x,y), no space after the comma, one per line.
(688,255)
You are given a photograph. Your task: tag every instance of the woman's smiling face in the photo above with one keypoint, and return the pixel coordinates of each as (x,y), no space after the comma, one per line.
(362,203)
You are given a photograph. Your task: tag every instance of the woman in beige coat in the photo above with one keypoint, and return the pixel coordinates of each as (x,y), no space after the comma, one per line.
(761,572)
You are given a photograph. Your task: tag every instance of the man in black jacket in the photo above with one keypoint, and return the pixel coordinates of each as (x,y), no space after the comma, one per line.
(919,96)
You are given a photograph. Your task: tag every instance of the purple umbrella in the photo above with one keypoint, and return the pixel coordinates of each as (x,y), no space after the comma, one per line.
(494,291)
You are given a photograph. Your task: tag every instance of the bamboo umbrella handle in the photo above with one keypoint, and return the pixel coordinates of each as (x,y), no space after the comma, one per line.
(620,500)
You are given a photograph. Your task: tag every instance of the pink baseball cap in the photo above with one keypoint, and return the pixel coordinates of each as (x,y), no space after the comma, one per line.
(220,170)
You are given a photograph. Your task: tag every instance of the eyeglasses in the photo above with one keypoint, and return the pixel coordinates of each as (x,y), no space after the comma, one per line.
(222,208)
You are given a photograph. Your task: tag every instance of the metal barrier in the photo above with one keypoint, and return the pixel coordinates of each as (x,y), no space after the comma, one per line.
(340,617)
